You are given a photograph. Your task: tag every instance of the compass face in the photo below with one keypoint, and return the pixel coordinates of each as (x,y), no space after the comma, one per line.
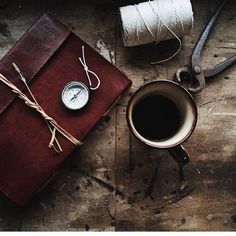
(75,95)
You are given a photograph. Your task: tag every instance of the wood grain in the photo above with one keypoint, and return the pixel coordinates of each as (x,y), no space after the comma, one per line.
(113,182)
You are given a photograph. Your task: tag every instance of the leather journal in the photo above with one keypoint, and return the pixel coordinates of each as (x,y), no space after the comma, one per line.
(47,54)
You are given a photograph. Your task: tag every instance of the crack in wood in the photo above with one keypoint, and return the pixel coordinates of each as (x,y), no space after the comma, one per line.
(102,183)
(151,185)
(216,100)
(132,160)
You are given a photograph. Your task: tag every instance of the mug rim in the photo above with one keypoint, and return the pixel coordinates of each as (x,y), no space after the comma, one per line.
(190,97)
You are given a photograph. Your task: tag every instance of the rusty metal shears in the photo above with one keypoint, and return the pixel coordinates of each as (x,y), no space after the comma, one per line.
(193,73)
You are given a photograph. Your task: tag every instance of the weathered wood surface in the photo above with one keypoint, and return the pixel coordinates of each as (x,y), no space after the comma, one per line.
(147,195)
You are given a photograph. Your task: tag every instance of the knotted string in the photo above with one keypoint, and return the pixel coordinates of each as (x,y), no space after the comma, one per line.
(23,79)
(87,71)
(38,108)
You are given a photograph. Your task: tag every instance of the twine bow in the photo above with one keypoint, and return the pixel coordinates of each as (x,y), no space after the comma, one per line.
(87,71)
(37,107)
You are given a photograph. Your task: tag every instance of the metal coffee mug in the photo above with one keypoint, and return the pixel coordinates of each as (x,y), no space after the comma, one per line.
(187,111)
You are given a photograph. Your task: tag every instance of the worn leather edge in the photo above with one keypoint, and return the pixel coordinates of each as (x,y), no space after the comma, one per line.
(60,33)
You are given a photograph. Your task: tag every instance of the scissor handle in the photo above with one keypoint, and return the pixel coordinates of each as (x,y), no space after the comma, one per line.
(198,77)
(195,58)
(193,75)
(208,73)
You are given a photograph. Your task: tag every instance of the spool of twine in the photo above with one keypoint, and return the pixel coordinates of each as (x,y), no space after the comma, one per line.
(155,21)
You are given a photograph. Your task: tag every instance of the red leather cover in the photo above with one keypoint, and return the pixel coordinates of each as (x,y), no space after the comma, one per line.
(48,56)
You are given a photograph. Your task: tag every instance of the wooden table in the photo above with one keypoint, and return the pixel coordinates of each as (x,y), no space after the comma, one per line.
(113,182)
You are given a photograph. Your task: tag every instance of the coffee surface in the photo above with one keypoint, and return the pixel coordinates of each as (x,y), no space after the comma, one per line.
(156,118)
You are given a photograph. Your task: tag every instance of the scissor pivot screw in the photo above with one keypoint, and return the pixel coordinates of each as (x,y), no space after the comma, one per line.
(197,69)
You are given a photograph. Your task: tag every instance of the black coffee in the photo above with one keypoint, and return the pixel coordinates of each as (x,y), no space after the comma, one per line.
(156,117)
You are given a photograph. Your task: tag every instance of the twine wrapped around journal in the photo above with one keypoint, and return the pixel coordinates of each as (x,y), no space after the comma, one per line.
(37,107)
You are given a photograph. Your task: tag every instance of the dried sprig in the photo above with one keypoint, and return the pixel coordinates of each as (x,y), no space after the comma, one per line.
(23,79)
(17,69)
(37,107)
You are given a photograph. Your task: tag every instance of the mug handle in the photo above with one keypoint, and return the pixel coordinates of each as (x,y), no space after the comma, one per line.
(179,154)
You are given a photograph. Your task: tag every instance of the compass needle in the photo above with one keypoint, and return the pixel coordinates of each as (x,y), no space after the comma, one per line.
(75,95)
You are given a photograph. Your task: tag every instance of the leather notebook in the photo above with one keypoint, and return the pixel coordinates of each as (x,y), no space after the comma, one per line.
(47,54)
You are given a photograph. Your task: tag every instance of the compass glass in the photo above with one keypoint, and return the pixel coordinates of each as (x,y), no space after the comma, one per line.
(75,95)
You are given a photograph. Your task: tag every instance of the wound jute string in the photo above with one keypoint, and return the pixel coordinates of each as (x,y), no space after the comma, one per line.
(156,21)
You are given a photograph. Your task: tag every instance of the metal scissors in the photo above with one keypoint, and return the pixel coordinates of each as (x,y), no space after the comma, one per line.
(194,74)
